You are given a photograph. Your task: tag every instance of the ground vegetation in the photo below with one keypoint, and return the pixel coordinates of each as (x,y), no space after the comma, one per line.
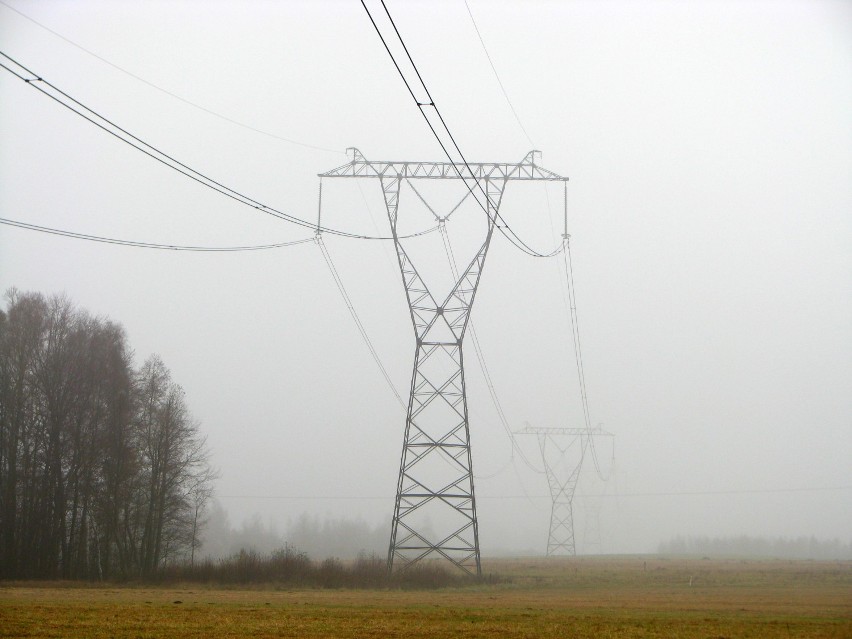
(688,598)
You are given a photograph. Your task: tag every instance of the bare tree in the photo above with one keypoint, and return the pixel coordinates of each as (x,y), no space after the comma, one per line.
(175,466)
(20,341)
(102,469)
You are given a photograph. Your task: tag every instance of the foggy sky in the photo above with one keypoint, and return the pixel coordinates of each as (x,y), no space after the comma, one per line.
(709,147)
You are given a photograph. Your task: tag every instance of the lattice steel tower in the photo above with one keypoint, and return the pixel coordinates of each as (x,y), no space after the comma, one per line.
(435,510)
(563,471)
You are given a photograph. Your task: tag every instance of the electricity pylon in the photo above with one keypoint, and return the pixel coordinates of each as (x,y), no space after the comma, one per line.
(563,471)
(435,509)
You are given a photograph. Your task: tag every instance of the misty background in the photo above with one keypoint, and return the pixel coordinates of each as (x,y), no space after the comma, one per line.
(709,147)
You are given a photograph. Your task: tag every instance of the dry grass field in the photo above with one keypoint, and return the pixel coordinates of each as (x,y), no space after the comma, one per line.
(588,597)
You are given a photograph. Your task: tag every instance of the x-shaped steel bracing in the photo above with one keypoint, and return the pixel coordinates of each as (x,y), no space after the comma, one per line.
(437,422)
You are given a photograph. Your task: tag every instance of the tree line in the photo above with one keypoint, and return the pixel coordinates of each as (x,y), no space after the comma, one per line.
(103,471)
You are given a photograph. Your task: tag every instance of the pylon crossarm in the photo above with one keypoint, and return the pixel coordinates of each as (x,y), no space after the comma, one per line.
(359,167)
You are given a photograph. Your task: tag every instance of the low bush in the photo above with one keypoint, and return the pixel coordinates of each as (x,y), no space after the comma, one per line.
(289,567)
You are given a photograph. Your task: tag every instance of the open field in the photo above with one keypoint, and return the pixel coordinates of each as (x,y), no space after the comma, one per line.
(587,597)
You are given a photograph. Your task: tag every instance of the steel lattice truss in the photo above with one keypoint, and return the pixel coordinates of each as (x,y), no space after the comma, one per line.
(524,170)
(435,508)
(560,540)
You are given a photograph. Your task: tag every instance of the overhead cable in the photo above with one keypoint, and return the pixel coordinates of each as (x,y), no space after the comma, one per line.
(511,235)
(578,354)
(148,245)
(103,123)
(497,75)
(335,274)
(165,91)
(429,103)
(685,493)
(575,333)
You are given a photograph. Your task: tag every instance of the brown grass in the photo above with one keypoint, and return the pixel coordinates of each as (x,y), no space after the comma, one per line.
(625,597)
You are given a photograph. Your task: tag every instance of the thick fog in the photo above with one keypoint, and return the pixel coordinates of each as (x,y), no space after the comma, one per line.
(709,151)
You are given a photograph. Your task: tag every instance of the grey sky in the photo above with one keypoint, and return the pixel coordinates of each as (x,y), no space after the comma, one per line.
(709,147)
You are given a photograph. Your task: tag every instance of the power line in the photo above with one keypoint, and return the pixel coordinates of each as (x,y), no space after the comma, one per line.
(165,91)
(497,75)
(520,243)
(505,229)
(363,331)
(570,302)
(687,493)
(103,123)
(578,353)
(575,332)
(149,245)
(514,238)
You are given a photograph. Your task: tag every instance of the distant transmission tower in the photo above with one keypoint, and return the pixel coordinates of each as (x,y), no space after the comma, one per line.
(435,510)
(562,469)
